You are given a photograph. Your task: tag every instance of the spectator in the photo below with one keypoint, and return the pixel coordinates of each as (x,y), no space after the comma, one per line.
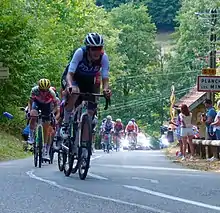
(177,124)
(216,123)
(208,119)
(186,131)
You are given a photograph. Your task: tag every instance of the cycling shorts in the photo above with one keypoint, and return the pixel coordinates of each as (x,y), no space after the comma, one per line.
(86,84)
(45,109)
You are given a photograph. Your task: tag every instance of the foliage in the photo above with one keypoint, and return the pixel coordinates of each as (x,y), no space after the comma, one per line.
(163,12)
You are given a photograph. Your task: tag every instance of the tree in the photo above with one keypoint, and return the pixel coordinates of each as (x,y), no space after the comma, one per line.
(132,88)
(163,12)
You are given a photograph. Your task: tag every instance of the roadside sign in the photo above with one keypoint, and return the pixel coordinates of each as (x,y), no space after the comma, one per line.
(4,72)
(209,71)
(208,83)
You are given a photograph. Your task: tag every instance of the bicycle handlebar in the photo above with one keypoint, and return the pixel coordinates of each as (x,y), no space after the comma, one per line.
(107,99)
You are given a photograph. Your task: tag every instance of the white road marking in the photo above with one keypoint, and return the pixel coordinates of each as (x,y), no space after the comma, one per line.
(97,176)
(147,167)
(173,198)
(151,180)
(53,183)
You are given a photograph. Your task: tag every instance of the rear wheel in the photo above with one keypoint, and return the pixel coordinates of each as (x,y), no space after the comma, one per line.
(35,154)
(51,153)
(62,156)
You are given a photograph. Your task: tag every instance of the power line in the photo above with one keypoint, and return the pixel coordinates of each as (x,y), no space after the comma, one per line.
(152,74)
(140,103)
(144,99)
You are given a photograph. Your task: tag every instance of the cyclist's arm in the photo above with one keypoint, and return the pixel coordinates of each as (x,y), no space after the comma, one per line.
(30,104)
(54,100)
(77,57)
(126,129)
(105,71)
(31,98)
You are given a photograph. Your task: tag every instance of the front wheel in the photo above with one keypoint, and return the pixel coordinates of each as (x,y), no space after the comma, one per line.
(70,159)
(85,149)
(38,147)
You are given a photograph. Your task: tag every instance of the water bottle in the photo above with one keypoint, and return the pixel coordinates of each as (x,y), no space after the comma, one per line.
(8,115)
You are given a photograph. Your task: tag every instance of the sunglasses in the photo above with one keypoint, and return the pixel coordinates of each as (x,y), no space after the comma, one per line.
(96,48)
(44,90)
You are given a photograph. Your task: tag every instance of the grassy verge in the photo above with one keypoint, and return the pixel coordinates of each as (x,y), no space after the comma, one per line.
(11,147)
(197,163)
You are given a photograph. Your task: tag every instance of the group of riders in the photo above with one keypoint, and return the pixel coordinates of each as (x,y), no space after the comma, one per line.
(117,131)
(88,68)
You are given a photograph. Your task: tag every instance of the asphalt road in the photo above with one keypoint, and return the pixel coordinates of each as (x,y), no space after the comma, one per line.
(125,182)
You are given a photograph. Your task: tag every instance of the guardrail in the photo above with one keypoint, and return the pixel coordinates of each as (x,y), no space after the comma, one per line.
(207,148)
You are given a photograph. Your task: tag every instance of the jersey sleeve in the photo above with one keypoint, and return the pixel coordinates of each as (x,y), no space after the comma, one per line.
(34,92)
(105,66)
(77,57)
(53,94)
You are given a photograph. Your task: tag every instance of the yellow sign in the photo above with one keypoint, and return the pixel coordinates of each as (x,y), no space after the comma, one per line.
(209,71)
(172,101)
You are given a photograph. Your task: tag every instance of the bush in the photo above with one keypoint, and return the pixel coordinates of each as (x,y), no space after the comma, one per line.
(16,125)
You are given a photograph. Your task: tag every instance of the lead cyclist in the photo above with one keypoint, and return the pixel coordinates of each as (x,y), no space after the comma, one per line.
(86,63)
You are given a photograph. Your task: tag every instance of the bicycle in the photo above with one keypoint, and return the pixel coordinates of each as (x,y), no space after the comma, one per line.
(68,153)
(84,149)
(107,141)
(132,141)
(39,140)
(117,141)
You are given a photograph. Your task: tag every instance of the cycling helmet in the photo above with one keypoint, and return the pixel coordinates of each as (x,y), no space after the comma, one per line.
(130,123)
(109,117)
(94,40)
(63,133)
(44,84)
(118,120)
(133,120)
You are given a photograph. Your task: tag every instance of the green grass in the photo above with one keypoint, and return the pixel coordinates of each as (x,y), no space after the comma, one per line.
(11,147)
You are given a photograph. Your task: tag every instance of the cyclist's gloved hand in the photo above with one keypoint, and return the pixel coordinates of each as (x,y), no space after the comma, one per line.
(69,89)
(107,93)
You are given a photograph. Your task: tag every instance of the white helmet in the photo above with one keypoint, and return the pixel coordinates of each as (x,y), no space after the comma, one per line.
(94,40)
(63,133)
(109,117)
(118,120)
(130,123)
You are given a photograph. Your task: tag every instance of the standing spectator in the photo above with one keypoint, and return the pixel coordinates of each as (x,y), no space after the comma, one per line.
(208,119)
(177,124)
(216,123)
(186,131)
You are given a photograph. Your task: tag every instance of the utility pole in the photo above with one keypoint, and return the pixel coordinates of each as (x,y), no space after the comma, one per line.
(212,53)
